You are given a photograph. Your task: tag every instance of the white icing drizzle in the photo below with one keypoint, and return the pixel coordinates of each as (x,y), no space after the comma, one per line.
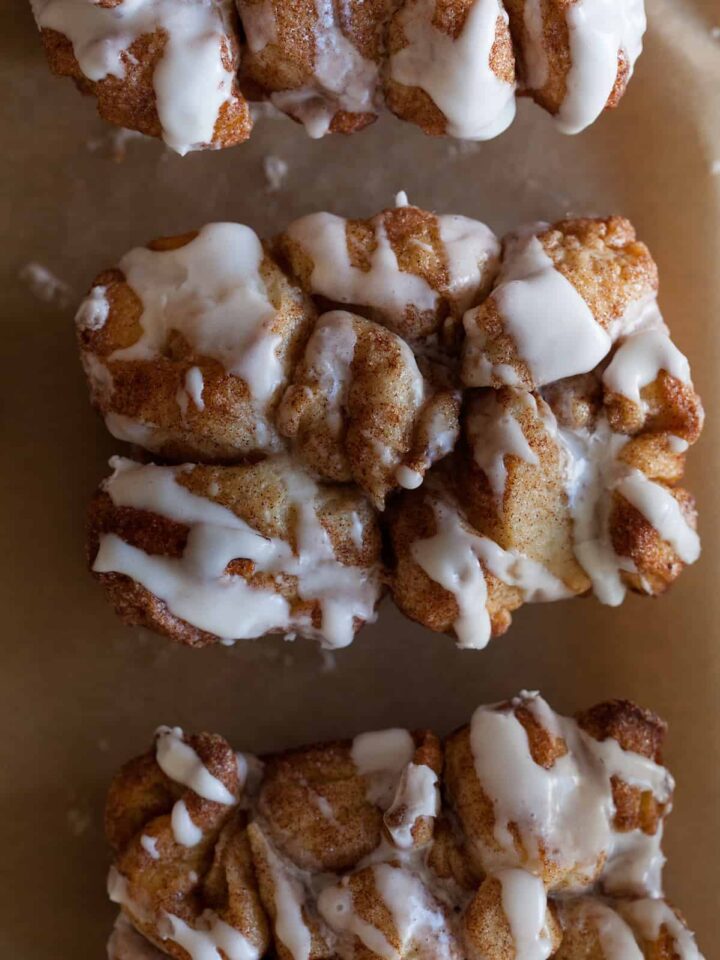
(259,24)
(381,756)
(616,938)
(328,356)
(342,78)
(384,286)
(142,434)
(457,74)
(401,199)
(495,434)
(472,251)
(194,386)
(554,330)
(455,557)
(185,832)
(94,310)
(677,445)
(417,796)
(418,921)
(196,588)
(289,926)
(599,31)
(564,813)
(336,907)
(524,903)
(638,361)
(647,917)
(407,478)
(211,291)
(660,508)
(149,845)
(191,82)
(216,940)
(179,761)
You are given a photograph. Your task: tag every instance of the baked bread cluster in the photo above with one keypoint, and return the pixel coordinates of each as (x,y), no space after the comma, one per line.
(403,402)
(188,71)
(523,835)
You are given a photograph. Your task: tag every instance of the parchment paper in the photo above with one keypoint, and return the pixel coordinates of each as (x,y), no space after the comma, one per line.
(80,693)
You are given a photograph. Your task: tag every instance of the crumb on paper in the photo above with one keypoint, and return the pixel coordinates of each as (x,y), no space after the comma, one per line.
(275,170)
(113,144)
(44,285)
(78,821)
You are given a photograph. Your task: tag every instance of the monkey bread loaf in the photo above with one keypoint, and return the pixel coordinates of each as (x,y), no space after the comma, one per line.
(523,835)
(401,402)
(188,71)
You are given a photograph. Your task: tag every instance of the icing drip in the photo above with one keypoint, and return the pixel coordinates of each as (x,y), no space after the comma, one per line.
(149,845)
(381,757)
(457,74)
(186,833)
(456,559)
(657,504)
(329,355)
(417,796)
(259,24)
(290,926)
(191,81)
(342,78)
(217,941)
(599,30)
(94,310)
(179,761)
(211,292)
(524,903)
(472,252)
(616,938)
(565,813)
(384,286)
(554,330)
(196,588)
(495,434)
(648,918)
(638,361)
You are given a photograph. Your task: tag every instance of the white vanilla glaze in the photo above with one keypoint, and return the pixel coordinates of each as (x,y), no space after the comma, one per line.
(384,286)
(289,896)
(456,558)
(408,478)
(328,360)
(194,386)
(191,81)
(599,32)
(553,329)
(214,940)
(457,73)
(494,434)
(149,845)
(259,23)
(419,923)
(94,310)
(616,938)
(417,796)
(381,756)
(211,291)
(638,361)
(185,832)
(472,252)
(565,813)
(524,903)
(648,917)
(140,432)
(197,589)
(179,761)
(342,78)
(660,508)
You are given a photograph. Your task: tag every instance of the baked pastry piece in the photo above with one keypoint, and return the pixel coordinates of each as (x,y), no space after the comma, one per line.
(202,553)
(534,836)
(452,67)
(165,69)
(514,424)
(188,344)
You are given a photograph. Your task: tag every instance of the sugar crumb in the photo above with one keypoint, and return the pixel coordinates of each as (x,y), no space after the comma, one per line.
(44,285)
(275,170)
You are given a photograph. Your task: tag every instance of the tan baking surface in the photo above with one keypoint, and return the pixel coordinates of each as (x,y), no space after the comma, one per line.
(80,693)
